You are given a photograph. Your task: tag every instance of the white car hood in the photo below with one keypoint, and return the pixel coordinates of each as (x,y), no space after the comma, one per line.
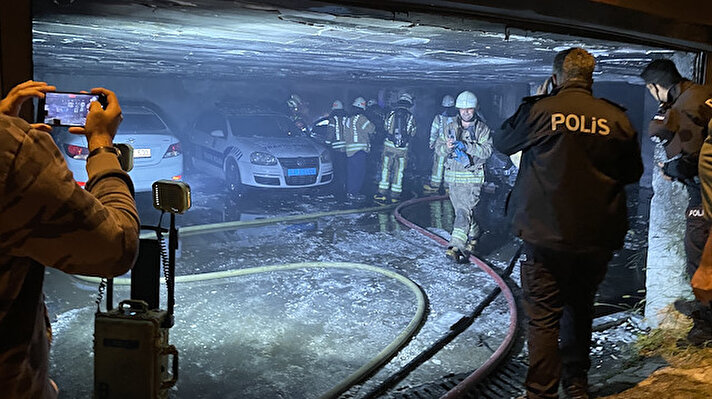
(283,147)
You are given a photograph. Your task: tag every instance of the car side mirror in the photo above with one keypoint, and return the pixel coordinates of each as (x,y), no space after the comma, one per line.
(217,133)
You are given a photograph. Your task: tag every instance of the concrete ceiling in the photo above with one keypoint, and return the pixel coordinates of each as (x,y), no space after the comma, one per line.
(214,39)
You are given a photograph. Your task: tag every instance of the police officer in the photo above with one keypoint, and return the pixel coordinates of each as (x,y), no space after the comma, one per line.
(357,132)
(569,207)
(437,132)
(465,147)
(336,139)
(681,127)
(400,128)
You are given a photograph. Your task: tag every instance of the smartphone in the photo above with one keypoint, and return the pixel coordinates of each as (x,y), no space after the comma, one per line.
(66,108)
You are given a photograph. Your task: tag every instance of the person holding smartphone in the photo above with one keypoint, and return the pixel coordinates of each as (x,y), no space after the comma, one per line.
(47,220)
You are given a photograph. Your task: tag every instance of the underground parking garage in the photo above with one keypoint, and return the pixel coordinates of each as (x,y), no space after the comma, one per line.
(300,331)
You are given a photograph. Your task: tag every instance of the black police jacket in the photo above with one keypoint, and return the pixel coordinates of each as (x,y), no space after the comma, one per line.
(578,153)
(685,122)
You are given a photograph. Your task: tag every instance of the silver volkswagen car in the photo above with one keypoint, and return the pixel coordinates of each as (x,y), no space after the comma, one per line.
(258,149)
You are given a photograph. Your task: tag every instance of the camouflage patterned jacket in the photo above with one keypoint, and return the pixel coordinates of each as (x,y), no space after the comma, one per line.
(46,219)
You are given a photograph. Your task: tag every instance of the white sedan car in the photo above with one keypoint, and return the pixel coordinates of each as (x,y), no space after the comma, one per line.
(264,150)
(157,152)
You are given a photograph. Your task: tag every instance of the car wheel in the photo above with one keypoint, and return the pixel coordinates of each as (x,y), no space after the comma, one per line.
(232,179)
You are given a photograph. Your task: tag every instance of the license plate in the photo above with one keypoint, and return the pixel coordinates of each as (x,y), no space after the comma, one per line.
(142,153)
(301,172)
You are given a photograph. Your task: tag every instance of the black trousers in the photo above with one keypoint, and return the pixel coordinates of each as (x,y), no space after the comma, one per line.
(559,289)
(338,159)
(697,228)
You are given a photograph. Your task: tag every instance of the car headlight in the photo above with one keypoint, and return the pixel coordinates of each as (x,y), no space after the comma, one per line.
(263,158)
(325,157)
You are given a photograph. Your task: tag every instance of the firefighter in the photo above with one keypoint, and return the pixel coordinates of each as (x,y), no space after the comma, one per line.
(298,113)
(335,138)
(437,132)
(465,150)
(357,132)
(400,128)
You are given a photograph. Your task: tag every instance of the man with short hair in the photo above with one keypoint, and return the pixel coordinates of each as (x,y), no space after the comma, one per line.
(681,127)
(46,219)
(569,207)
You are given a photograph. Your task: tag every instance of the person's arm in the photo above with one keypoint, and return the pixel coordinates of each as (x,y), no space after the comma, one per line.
(435,130)
(480,148)
(58,224)
(389,122)
(514,135)
(93,232)
(411,125)
(366,125)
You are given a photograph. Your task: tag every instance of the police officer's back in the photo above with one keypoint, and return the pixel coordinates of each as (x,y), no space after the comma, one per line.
(578,153)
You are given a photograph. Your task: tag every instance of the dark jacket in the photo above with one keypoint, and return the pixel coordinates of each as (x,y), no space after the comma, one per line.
(569,194)
(683,128)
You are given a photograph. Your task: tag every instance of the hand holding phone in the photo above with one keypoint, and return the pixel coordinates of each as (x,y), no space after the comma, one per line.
(103,120)
(546,87)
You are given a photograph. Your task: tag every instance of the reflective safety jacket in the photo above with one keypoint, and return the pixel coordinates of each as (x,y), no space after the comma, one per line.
(357,132)
(336,131)
(437,128)
(478,147)
(392,132)
(578,153)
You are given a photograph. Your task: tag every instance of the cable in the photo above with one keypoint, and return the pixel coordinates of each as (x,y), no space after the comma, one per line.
(242,224)
(100,295)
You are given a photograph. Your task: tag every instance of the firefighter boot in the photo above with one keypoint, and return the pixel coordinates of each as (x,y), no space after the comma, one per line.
(470,247)
(379,198)
(430,188)
(456,255)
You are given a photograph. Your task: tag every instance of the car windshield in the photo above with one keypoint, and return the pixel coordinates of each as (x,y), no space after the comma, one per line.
(141,122)
(262,126)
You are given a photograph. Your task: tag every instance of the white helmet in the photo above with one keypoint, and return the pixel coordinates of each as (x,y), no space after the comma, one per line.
(360,102)
(466,99)
(448,101)
(406,98)
(337,104)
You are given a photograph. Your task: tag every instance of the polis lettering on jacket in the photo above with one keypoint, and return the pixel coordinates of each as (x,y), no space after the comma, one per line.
(580,123)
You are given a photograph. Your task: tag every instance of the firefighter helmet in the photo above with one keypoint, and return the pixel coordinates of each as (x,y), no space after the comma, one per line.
(466,99)
(337,104)
(359,102)
(405,99)
(448,101)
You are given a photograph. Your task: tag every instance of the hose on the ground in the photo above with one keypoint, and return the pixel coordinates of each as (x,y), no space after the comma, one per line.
(500,353)
(372,365)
